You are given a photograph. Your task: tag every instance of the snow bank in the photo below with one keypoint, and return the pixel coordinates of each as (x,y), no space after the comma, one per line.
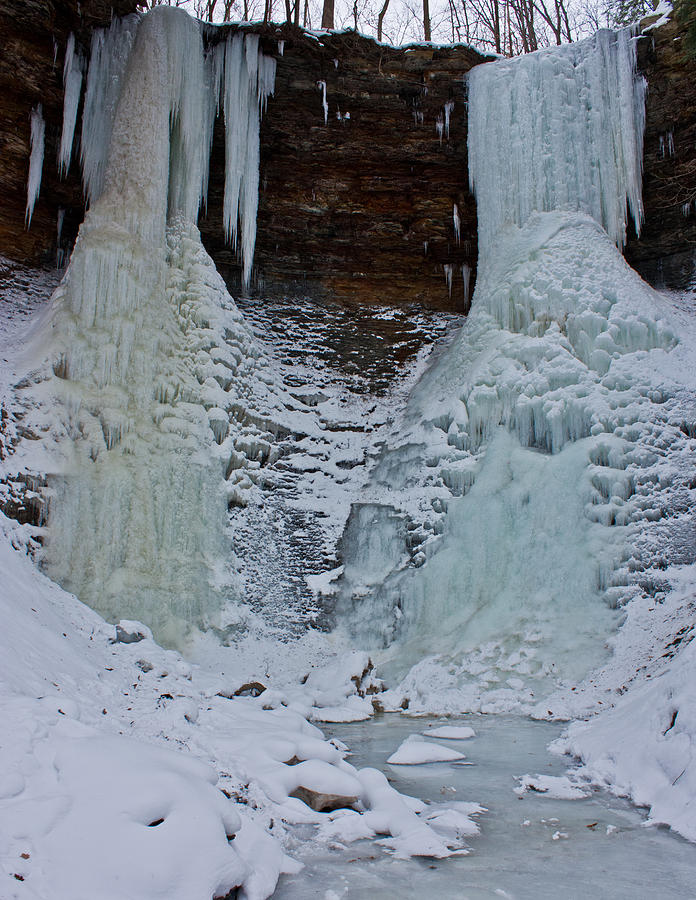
(125,771)
(644,747)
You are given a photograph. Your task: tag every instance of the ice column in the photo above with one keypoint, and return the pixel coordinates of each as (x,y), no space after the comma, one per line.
(146,343)
(110,52)
(560,129)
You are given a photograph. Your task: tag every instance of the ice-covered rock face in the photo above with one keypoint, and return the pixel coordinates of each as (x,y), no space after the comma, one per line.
(523,468)
(152,360)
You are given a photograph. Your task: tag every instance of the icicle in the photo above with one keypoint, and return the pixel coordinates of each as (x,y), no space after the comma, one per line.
(321,85)
(60,253)
(281,48)
(457,223)
(110,51)
(73,68)
(670,143)
(38,132)
(466,278)
(564,132)
(449,272)
(449,106)
(440,127)
(248,79)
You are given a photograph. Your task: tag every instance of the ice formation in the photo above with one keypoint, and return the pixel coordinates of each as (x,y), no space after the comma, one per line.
(560,129)
(321,86)
(513,495)
(109,55)
(36,156)
(248,77)
(73,68)
(149,352)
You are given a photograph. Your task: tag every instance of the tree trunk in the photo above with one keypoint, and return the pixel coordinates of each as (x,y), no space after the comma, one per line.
(327,16)
(380,19)
(426,20)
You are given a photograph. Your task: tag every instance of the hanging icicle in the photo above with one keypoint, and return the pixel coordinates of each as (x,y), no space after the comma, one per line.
(36,157)
(73,69)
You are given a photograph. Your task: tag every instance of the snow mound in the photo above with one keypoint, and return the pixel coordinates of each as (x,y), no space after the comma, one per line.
(414,751)
(451,732)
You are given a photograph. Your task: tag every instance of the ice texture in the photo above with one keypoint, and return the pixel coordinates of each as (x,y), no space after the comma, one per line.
(73,69)
(36,157)
(559,129)
(109,55)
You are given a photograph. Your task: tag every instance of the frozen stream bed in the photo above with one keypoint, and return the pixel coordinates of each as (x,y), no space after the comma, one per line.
(530,847)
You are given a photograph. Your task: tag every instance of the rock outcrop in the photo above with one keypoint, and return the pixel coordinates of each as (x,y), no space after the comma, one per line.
(364,186)
(665,254)
(358,194)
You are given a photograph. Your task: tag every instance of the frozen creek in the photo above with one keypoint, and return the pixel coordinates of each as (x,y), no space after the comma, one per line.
(532,846)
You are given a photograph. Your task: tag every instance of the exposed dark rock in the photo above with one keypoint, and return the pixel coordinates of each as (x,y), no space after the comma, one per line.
(360,207)
(131,633)
(665,254)
(251,689)
(356,208)
(34,37)
(321,802)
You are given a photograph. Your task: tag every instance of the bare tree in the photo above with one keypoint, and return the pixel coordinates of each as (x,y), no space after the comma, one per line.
(426,20)
(380,19)
(327,15)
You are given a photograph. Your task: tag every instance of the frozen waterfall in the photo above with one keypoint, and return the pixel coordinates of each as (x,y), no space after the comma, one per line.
(151,357)
(506,511)
(559,129)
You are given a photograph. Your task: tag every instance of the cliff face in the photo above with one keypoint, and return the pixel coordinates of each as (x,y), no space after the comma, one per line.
(665,254)
(357,198)
(34,37)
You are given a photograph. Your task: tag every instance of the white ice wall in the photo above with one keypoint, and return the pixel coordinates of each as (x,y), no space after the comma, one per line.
(521,468)
(559,129)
